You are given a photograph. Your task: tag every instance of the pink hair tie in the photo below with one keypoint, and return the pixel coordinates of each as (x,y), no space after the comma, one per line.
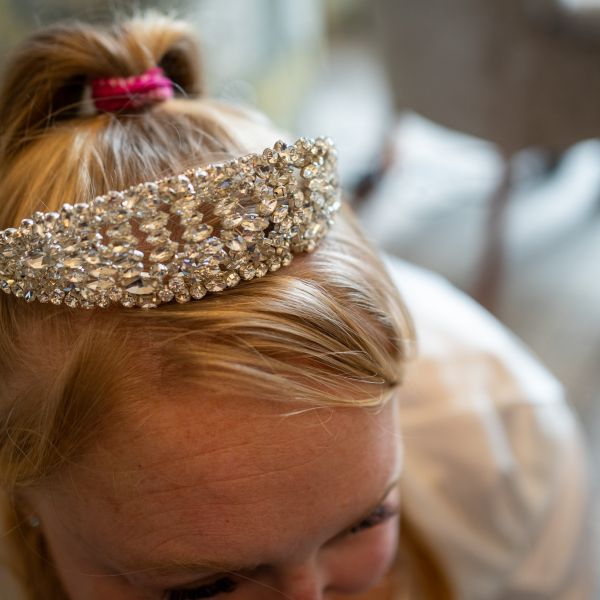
(112,94)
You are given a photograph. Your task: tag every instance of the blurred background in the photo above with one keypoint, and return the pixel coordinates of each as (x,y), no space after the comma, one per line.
(467,133)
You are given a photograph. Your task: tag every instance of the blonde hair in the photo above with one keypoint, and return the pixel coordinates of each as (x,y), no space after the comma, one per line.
(326,328)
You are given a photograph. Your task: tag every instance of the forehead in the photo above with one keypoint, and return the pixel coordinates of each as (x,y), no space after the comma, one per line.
(194,473)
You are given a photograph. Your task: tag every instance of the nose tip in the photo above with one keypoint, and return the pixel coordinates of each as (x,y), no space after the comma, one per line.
(303,582)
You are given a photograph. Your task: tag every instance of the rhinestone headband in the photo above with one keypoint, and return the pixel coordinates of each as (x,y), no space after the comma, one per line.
(151,243)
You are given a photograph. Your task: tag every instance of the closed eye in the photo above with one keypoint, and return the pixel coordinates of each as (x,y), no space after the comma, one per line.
(381,514)
(223,585)
(226,585)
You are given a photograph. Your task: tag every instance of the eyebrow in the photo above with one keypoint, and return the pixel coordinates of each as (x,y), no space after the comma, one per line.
(207,567)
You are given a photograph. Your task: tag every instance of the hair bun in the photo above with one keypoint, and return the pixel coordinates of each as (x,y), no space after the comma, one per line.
(46,78)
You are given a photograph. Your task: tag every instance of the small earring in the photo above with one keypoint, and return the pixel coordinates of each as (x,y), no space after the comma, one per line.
(34,521)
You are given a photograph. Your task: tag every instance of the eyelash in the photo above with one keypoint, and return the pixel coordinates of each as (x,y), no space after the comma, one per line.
(226,585)
(381,514)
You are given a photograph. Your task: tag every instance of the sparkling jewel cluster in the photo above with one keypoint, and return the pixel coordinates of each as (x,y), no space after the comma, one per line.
(151,243)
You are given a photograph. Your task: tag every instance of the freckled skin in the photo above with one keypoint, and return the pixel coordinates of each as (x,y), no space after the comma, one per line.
(235,481)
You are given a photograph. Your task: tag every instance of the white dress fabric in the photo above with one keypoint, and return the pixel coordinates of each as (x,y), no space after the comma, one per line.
(496,477)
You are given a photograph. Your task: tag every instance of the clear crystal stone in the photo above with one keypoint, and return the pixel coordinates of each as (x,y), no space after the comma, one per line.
(141,284)
(212,246)
(310,171)
(166,295)
(71,300)
(36,260)
(163,253)
(176,283)
(314,230)
(182,296)
(115,294)
(253,222)
(262,269)
(77,275)
(231,221)
(198,233)
(277,239)
(267,205)
(274,263)
(104,271)
(237,244)
(225,207)
(128,300)
(147,301)
(197,291)
(56,296)
(317,198)
(158,271)
(285,224)
(73,262)
(280,213)
(155,224)
(232,279)
(101,285)
(247,271)
(159,238)
(133,272)
(216,283)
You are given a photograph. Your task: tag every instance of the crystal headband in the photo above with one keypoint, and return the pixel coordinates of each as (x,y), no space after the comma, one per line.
(151,243)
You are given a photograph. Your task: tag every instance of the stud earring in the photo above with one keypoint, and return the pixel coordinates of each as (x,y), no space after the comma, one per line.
(34,521)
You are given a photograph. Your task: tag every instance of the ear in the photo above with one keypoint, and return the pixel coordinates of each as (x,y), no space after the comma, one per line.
(25,507)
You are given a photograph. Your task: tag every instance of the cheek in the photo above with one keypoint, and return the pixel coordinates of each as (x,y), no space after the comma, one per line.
(361,561)
(78,570)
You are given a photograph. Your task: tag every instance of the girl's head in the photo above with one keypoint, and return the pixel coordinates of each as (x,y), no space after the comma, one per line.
(253,431)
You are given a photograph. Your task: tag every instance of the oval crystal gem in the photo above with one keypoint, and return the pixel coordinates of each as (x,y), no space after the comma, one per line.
(254,223)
